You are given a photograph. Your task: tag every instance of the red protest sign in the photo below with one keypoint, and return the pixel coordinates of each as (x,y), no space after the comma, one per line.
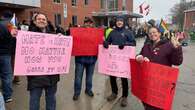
(86,41)
(153,83)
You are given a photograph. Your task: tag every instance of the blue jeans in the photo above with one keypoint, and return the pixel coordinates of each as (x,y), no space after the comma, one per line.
(6,76)
(79,69)
(2,104)
(50,98)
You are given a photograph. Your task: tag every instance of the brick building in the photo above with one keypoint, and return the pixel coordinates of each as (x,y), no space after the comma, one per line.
(19,7)
(66,12)
(189,20)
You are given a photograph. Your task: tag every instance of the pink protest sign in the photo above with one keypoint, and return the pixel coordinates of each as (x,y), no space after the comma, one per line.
(42,54)
(115,62)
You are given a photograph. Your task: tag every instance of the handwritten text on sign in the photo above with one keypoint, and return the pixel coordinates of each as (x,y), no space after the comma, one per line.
(115,62)
(154,84)
(42,54)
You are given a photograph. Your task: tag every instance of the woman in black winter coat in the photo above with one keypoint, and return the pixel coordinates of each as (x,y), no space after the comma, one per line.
(36,84)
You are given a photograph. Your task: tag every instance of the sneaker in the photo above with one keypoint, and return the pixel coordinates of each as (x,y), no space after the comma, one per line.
(8,100)
(123,102)
(112,97)
(90,93)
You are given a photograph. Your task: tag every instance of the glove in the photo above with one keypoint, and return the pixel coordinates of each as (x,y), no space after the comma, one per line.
(106,44)
(121,46)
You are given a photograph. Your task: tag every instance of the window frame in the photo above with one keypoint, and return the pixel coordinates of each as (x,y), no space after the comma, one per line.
(86,2)
(74,19)
(58,19)
(74,2)
(57,1)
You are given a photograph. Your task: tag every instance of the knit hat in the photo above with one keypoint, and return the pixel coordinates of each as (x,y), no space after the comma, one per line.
(120,18)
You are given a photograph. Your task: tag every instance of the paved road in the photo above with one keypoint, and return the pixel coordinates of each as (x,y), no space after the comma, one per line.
(184,99)
(185,91)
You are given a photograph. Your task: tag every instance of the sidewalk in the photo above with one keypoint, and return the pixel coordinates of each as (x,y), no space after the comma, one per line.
(184,98)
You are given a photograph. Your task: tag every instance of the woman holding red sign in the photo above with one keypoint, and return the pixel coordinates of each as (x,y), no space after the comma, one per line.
(160,51)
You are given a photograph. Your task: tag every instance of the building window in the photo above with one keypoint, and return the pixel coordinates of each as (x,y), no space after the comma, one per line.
(124,5)
(193,17)
(57,1)
(57,19)
(86,2)
(74,20)
(112,5)
(102,4)
(74,2)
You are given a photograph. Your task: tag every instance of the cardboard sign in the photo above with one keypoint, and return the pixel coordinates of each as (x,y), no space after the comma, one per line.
(42,54)
(115,62)
(153,83)
(86,41)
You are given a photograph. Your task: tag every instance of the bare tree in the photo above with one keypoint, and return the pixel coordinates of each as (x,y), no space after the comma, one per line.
(177,11)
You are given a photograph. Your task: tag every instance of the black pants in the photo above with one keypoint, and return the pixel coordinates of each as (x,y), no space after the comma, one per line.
(115,88)
(149,107)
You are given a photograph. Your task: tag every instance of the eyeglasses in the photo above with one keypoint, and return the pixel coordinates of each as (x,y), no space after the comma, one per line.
(154,32)
(41,19)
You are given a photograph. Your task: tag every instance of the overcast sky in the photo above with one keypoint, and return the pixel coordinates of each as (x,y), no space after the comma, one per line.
(159,8)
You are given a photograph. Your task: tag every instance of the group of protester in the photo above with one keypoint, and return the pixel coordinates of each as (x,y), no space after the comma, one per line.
(157,50)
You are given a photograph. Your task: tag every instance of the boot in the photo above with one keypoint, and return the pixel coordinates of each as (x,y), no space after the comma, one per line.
(112,97)
(124,102)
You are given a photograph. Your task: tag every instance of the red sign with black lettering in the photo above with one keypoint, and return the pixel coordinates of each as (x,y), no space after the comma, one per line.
(86,41)
(153,83)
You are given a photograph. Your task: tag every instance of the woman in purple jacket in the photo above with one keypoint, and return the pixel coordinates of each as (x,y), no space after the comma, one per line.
(160,51)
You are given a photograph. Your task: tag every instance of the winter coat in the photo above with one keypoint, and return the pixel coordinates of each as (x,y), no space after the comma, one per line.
(6,40)
(44,80)
(163,53)
(86,59)
(121,36)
